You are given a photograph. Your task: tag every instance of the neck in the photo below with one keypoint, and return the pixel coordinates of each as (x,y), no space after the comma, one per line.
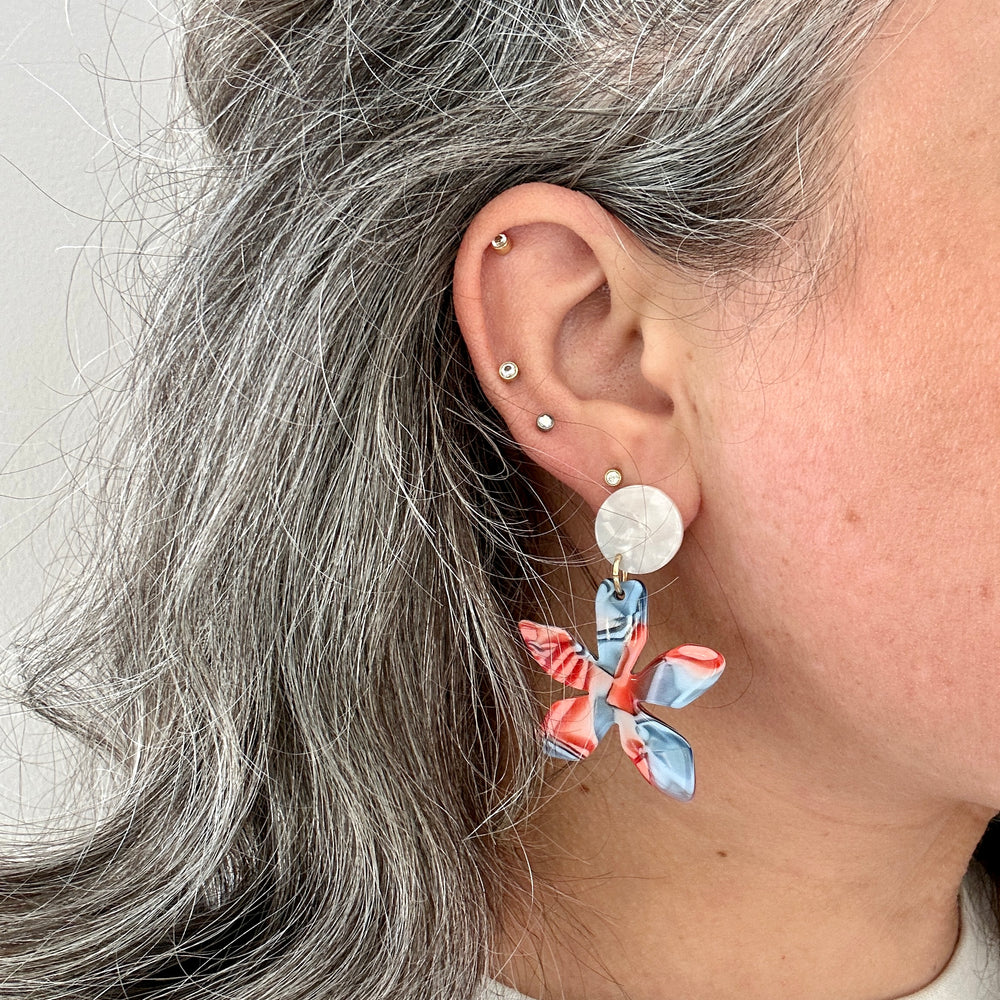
(804,867)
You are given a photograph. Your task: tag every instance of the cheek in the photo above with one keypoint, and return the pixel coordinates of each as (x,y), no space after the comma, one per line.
(855,489)
(875,481)
(855,533)
(885,439)
(852,477)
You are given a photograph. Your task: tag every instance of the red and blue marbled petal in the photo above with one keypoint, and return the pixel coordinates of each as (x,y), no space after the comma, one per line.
(674,679)
(560,655)
(621,625)
(664,758)
(574,726)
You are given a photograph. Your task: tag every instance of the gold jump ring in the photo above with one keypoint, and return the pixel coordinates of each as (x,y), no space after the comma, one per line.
(619,575)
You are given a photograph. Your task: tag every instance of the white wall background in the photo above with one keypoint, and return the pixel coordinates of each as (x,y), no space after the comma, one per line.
(83,84)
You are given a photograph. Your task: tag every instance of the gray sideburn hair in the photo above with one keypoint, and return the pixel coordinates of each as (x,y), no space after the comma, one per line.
(294,639)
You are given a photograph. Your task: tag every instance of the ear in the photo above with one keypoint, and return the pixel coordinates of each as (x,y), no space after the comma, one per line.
(595,325)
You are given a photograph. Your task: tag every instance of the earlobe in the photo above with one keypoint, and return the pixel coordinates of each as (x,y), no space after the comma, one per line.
(547,280)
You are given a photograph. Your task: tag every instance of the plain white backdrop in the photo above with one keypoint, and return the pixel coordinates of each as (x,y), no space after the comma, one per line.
(84,87)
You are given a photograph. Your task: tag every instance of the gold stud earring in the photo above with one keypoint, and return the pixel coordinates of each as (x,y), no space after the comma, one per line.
(501,243)
(508,371)
(613,477)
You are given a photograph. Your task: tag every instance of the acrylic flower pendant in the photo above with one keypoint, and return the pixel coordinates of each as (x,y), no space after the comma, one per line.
(574,726)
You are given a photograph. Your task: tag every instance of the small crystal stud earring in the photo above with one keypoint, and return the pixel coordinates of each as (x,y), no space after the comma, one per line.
(613,477)
(501,243)
(545,422)
(508,371)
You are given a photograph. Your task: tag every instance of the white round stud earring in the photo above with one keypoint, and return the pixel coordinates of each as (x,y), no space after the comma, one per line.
(642,525)
(544,422)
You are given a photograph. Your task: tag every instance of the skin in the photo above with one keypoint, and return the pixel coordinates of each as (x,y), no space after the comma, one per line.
(836,468)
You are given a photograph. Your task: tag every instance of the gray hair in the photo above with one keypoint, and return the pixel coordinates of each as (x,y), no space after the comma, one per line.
(294,639)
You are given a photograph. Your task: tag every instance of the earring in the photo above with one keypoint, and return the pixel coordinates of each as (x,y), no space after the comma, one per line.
(501,243)
(639,530)
(544,422)
(508,371)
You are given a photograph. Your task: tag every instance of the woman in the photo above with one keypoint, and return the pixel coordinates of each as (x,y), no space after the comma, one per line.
(458,274)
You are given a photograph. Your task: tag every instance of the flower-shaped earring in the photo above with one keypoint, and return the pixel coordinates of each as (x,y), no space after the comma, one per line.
(638,528)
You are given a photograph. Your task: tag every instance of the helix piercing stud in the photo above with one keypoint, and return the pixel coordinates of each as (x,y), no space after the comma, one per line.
(501,243)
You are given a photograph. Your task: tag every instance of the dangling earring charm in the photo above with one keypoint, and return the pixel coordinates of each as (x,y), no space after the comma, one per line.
(642,530)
